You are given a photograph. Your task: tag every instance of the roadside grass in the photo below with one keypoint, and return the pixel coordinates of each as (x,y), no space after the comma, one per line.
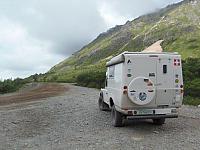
(188,100)
(9,85)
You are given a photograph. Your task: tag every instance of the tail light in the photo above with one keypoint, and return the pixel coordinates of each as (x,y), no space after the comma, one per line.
(125,90)
(182,91)
(130,113)
(149,84)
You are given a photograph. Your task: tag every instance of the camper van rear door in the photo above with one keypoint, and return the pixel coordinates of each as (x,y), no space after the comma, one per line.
(165,81)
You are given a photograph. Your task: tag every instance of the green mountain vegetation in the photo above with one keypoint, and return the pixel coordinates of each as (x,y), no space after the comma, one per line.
(10,85)
(178,25)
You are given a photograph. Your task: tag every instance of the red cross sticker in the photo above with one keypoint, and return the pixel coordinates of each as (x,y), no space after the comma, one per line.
(177,62)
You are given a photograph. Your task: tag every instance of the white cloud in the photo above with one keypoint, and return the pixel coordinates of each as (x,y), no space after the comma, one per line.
(110,15)
(21,54)
(117,12)
(35,34)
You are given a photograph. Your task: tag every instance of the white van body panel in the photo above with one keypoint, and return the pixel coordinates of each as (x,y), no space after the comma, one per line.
(154,83)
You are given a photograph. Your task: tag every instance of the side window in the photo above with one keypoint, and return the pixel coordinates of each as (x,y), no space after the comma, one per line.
(112,72)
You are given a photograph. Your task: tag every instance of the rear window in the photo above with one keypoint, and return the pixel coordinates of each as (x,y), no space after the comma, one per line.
(164,69)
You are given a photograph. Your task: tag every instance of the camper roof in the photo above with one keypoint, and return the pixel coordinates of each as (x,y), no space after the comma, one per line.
(121,57)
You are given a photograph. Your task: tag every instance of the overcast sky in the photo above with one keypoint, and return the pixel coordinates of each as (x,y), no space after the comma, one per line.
(37,34)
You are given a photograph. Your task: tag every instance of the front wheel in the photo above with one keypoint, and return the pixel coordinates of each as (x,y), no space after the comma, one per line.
(117,117)
(102,105)
(160,121)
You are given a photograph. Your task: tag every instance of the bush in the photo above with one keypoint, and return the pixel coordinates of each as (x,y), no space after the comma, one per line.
(191,76)
(191,69)
(10,85)
(91,79)
(188,100)
(193,88)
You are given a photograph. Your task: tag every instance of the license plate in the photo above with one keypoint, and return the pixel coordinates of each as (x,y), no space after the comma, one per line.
(145,112)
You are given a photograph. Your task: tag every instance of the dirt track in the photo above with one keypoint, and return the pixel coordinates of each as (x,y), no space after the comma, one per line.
(33,92)
(71,120)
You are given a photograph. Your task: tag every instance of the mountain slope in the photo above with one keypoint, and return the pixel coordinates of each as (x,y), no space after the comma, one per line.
(178,25)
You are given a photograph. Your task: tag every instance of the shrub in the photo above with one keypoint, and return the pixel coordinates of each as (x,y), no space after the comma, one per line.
(188,100)
(91,79)
(191,75)
(10,85)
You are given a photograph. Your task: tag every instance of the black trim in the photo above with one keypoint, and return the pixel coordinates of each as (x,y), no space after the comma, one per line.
(153,55)
(115,63)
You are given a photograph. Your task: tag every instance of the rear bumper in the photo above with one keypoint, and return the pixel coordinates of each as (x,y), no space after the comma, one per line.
(153,116)
(145,113)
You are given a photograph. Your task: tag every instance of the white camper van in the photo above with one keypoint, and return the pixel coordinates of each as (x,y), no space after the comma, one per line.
(143,86)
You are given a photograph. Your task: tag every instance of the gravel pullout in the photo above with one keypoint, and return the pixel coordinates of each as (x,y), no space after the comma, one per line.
(73,121)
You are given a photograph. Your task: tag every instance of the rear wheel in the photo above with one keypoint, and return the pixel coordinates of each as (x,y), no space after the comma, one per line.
(160,121)
(117,117)
(102,105)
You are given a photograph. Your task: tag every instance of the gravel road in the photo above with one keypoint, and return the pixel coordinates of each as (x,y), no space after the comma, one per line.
(73,121)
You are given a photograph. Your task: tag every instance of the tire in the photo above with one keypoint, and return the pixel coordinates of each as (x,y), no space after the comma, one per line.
(160,121)
(117,118)
(102,105)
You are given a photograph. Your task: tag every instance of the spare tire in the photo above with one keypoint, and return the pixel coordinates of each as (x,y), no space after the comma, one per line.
(141,91)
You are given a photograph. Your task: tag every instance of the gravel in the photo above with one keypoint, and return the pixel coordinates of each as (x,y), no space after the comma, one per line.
(73,121)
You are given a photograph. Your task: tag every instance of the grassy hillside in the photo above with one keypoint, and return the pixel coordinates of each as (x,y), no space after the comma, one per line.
(178,25)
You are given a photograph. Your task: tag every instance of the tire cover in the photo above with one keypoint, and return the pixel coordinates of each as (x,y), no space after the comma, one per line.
(141,91)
